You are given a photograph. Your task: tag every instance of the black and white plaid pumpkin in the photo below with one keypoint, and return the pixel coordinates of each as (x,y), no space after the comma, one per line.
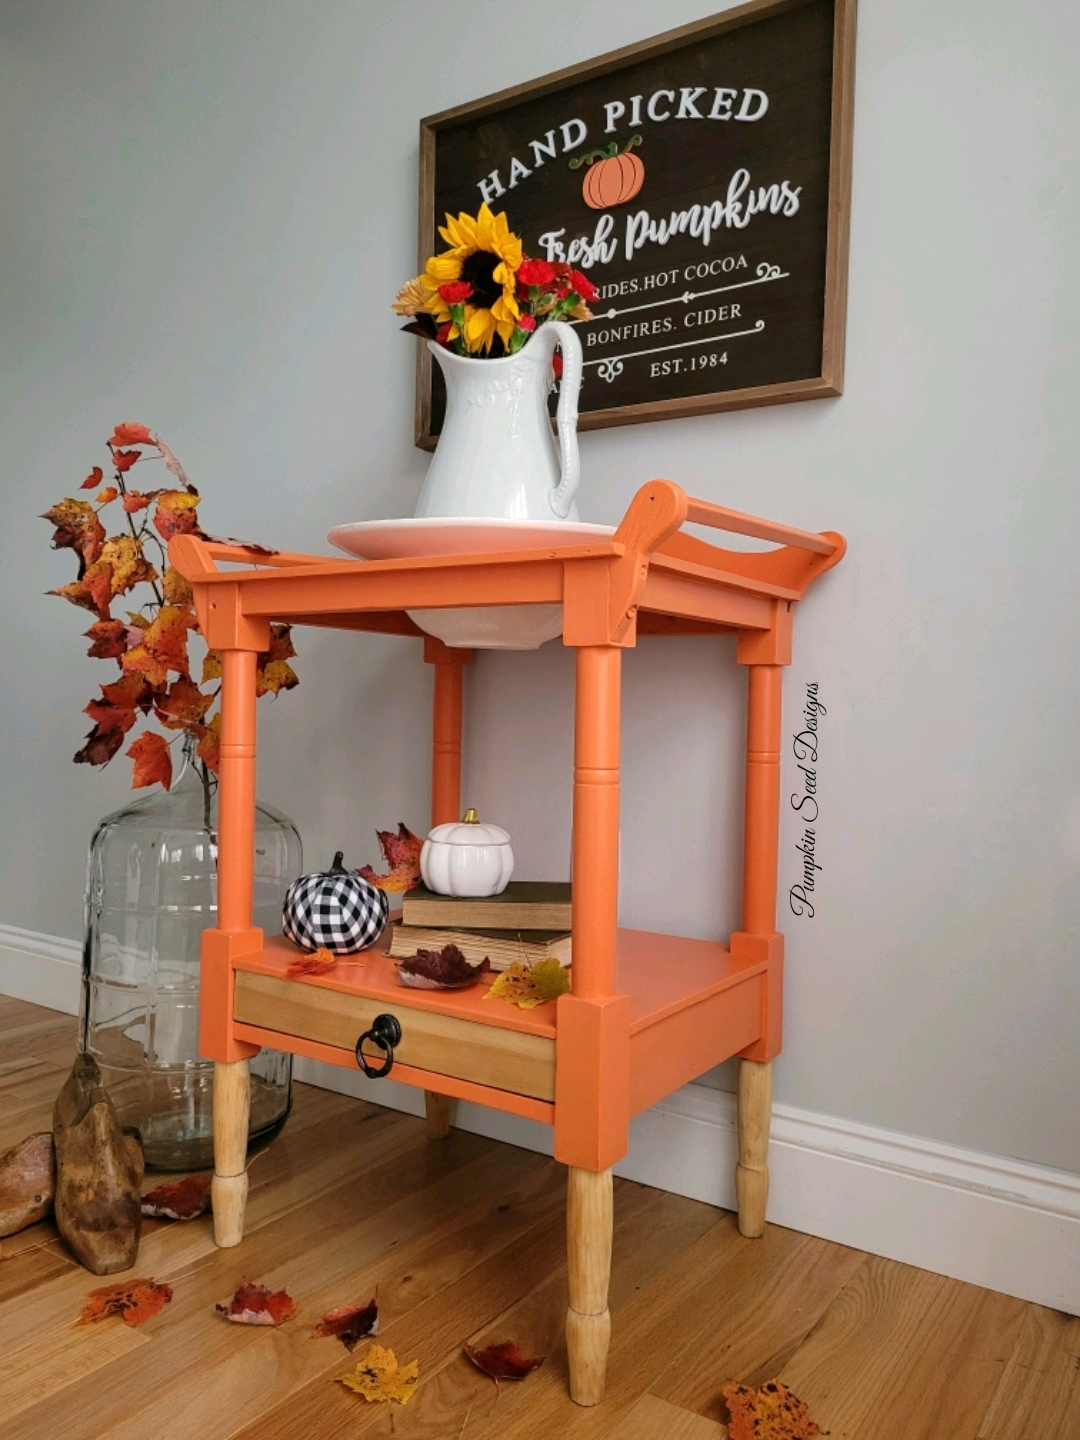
(336,909)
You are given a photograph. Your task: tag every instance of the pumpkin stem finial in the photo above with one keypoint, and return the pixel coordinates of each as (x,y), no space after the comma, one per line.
(470,818)
(338,867)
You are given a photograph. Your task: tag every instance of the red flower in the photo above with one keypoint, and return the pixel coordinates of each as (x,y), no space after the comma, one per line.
(584,286)
(535,272)
(455,292)
(526,322)
(443,333)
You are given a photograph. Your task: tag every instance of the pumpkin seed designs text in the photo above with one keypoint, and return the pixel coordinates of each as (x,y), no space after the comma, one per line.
(804,745)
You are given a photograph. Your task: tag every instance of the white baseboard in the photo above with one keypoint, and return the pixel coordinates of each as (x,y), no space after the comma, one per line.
(985,1219)
(40,968)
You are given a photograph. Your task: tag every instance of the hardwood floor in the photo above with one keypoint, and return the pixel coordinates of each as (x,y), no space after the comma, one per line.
(462,1239)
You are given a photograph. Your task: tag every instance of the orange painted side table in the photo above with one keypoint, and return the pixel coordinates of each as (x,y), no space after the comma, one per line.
(646,1012)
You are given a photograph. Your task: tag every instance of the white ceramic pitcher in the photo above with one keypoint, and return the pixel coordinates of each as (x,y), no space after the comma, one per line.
(496,454)
(497,458)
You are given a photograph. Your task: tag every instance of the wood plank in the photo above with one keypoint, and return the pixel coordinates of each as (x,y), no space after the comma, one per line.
(747,1335)
(652,1418)
(1038,1396)
(441,1044)
(905,1355)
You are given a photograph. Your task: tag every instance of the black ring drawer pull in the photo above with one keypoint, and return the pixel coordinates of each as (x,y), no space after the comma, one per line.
(386,1033)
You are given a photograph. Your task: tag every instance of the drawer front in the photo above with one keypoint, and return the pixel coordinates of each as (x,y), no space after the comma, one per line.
(443,1044)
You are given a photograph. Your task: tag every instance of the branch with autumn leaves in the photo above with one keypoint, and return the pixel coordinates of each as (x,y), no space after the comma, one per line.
(150,641)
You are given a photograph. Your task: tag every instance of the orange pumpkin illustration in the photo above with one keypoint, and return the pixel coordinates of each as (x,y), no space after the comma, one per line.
(611,179)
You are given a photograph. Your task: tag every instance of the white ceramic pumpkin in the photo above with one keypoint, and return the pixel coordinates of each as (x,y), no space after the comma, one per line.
(467,858)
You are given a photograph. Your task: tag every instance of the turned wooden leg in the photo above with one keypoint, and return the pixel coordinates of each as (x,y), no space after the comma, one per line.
(228,1192)
(588,1248)
(752,1171)
(440,1114)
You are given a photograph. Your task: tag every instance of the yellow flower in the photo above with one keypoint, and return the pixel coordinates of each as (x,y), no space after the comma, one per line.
(485,253)
(412,297)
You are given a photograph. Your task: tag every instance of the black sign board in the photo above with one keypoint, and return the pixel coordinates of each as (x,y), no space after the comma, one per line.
(700,180)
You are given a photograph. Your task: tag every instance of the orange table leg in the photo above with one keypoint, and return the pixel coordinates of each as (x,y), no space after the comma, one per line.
(759,936)
(592,1077)
(236,860)
(445,798)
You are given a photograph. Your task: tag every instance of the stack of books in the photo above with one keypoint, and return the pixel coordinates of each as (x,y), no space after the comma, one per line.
(529,921)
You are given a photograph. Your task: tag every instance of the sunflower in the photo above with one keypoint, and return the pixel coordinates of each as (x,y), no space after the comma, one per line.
(486,255)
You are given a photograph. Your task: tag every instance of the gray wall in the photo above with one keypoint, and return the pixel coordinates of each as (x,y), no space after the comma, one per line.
(206,208)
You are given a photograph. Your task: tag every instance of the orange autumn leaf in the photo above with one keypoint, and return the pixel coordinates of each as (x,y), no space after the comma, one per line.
(153,763)
(135,1300)
(402,854)
(178,1199)
(93,479)
(209,747)
(109,639)
(771,1413)
(176,589)
(120,566)
(107,495)
(379,1376)
(175,514)
(125,459)
(135,500)
(129,690)
(78,594)
(317,963)
(211,666)
(273,672)
(77,528)
(164,646)
(256,1305)
(182,705)
(130,433)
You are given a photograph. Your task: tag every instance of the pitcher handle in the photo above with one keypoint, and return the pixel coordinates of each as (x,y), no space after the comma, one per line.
(566,417)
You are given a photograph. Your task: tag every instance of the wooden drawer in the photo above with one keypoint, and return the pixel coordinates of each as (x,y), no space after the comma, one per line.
(443,1044)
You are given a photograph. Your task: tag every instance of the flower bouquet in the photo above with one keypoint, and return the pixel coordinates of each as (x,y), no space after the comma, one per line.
(483,297)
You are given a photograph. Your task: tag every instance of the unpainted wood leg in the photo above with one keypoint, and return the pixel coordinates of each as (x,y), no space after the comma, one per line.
(440,1114)
(228,1191)
(752,1171)
(588,1252)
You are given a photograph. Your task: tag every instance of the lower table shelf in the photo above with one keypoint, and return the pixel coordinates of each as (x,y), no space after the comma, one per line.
(691,1005)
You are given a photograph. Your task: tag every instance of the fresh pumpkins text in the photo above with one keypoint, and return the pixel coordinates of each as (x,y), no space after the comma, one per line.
(734,211)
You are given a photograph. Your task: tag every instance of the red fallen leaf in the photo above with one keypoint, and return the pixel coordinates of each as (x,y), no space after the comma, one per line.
(771,1413)
(109,639)
(317,963)
(256,1305)
(135,1300)
(125,459)
(153,763)
(502,1362)
(179,1199)
(94,478)
(402,854)
(445,969)
(350,1323)
(130,433)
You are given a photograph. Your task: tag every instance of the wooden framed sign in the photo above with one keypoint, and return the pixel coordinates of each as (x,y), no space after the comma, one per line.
(701,181)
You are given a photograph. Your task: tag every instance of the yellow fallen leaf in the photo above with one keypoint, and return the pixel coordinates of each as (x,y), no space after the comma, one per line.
(378,1376)
(527,986)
